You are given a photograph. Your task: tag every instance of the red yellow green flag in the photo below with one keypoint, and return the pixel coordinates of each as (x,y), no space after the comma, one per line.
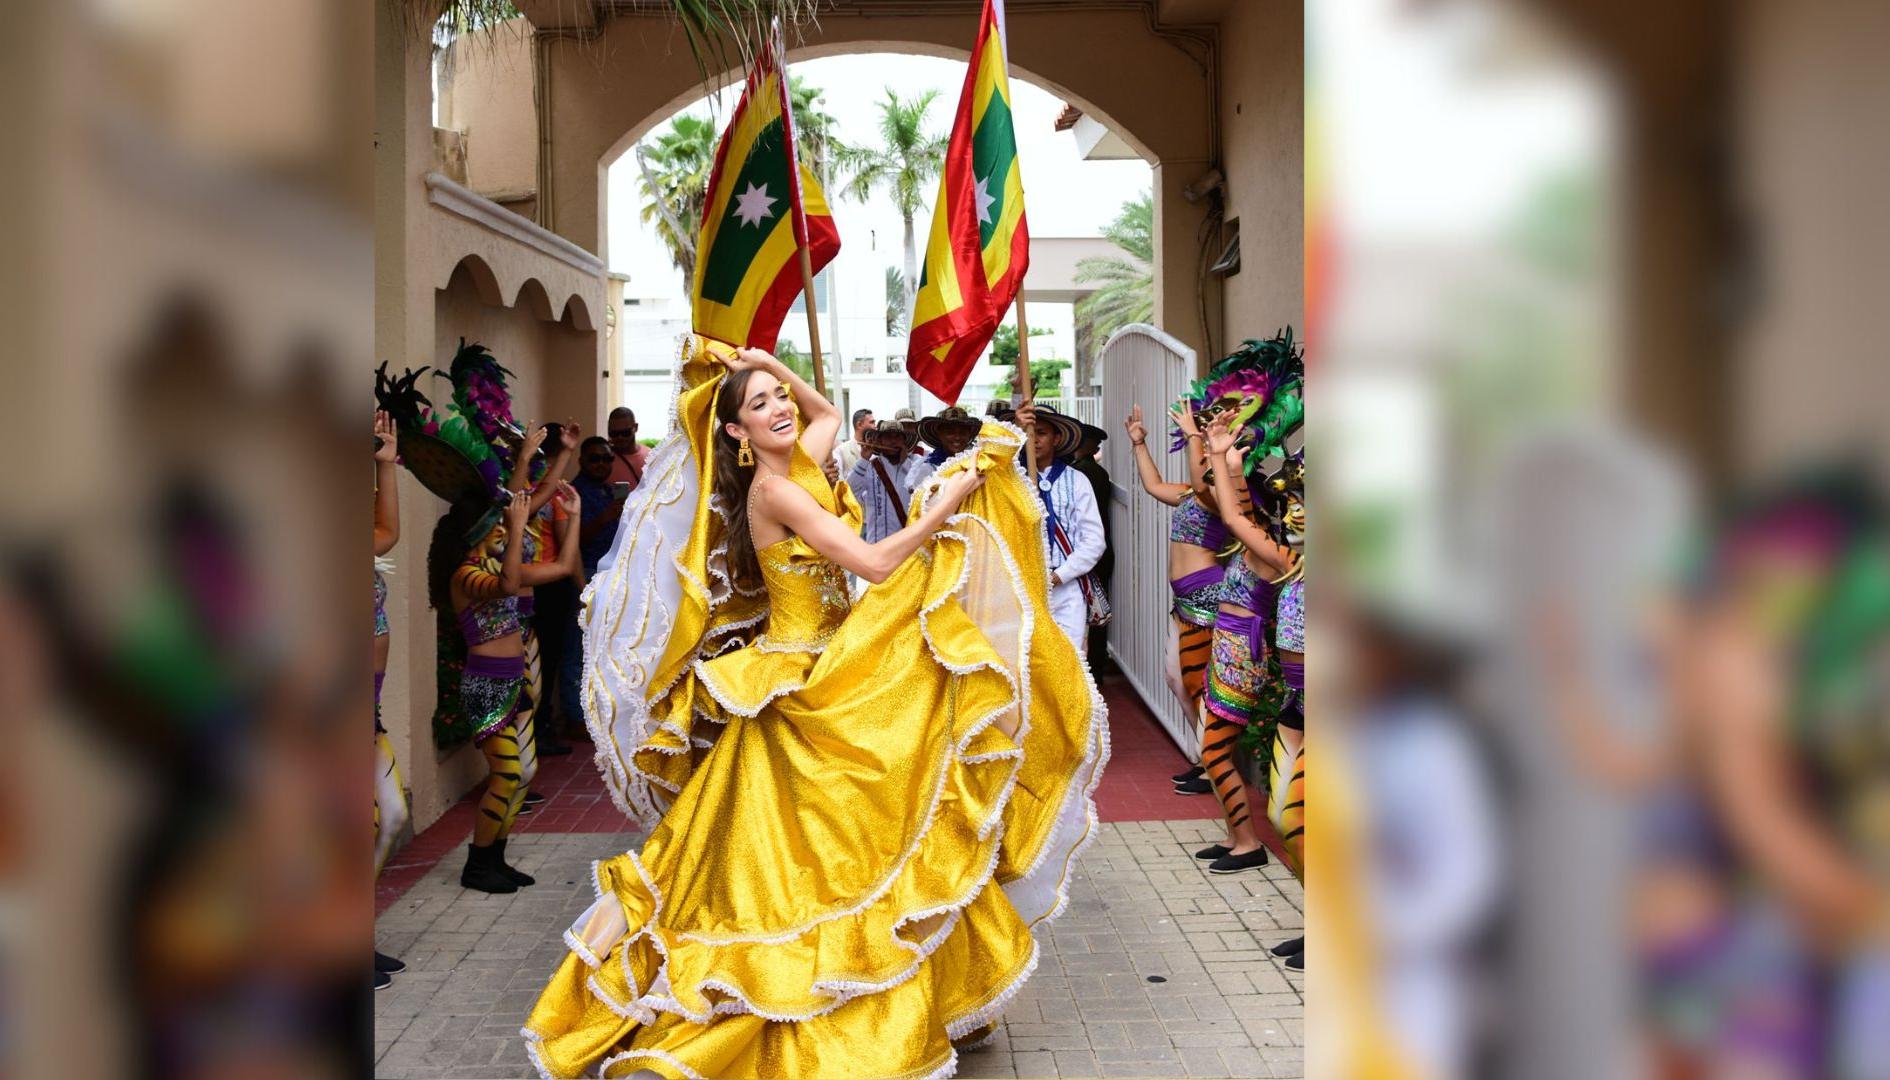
(763,204)
(979,245)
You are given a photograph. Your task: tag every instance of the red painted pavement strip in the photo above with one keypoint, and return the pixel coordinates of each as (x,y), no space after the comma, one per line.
(1136,786)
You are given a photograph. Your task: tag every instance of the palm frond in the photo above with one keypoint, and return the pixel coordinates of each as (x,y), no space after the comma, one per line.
(895,301)
(1127,285)
(726,34)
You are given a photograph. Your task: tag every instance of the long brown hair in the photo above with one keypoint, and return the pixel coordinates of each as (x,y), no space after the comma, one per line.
(732,481)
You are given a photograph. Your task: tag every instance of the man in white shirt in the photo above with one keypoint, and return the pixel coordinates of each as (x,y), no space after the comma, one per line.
(1071,519)
(878,481)
(846,452)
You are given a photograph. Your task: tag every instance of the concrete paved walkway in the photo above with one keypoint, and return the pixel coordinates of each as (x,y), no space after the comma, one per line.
(1156,969)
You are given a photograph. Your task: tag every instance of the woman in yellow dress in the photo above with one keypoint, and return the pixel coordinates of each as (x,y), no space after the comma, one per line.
(861,812)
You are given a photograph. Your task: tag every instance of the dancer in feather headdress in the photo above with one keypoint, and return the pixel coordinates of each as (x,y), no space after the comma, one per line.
(480,559)
(390,796)
(1264,600)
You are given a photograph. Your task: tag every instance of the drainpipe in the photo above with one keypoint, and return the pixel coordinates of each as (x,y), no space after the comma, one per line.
(541,106)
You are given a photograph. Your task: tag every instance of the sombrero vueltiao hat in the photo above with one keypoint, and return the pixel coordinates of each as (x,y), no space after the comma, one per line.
(896,435)
(952,417)
(1069,432)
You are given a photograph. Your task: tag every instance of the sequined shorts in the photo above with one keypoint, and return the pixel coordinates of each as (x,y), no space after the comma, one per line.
(489,693)
(1235,677)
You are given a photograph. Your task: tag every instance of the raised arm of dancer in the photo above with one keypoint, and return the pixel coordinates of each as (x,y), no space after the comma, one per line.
(386,485)
(569,436)
(1277,556)
(512,570)
(1194,450)
(566,564)
(1762,807)
(820,421)
(796,510)
(1145,468)
(1578,709)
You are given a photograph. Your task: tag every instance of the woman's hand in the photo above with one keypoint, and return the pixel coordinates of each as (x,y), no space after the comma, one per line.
(1184,419)
(567,501)
(744,359)
(534,439)
(954,489)
(1138,431)
(516,511)
(389,435)
(570,435)
(1219,438)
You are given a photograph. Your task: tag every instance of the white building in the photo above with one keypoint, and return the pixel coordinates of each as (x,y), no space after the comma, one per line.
(865,366)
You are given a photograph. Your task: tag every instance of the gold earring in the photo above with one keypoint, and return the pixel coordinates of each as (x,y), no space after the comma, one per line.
(744,456)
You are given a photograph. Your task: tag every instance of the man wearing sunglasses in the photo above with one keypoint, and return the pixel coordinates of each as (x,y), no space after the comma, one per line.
(630,455)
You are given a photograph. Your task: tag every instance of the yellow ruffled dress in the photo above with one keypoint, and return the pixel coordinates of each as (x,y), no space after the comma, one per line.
(865,808)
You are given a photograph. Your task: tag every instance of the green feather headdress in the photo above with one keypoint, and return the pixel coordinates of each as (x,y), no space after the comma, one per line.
(1262,382)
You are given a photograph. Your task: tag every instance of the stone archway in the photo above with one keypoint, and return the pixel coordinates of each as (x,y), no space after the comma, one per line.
(607,86)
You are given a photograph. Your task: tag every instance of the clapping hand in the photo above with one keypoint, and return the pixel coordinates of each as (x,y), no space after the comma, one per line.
(534,439)
(517,510)
(567,499)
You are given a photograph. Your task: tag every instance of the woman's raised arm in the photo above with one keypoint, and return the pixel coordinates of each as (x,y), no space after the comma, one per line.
(796,510)
(1145,468)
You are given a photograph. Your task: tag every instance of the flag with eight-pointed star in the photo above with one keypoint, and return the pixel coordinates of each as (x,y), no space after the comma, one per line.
(763,204)
(979,246)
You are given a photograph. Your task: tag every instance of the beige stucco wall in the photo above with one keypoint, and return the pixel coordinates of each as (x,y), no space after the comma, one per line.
(1263,133)
(1811,366)
(465,267)
(486,94)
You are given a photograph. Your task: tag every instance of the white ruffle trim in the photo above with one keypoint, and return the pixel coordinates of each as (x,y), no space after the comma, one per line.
(990,1010)
(658,1055)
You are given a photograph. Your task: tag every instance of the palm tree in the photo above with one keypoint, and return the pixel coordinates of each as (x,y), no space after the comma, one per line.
(895,301)
(907,160)
(675,168)
(814,133)
(1127,285)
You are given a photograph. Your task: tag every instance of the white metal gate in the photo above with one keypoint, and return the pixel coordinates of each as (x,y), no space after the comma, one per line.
(1141,365)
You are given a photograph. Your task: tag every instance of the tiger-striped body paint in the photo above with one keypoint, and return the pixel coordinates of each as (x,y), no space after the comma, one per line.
(1286,807)
(490,694)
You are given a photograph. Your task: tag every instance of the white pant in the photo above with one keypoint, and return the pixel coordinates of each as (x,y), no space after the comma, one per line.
(1068,609)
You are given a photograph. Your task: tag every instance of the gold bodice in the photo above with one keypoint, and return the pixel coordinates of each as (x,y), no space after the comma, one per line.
(807,595)
(807,592)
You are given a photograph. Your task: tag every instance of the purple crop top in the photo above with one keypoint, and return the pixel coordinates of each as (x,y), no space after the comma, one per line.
(488,620)
(1196,524)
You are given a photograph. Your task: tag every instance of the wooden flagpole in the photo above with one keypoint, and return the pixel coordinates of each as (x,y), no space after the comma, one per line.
(1026,386)
(801,237)
(813,320)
